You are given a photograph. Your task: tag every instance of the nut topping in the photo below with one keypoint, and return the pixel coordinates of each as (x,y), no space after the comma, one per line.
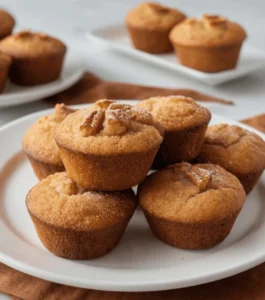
(92,124)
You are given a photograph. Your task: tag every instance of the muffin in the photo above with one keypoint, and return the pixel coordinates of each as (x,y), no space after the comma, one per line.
(149,25)
(6,24)
(110,147)
(5,62)
(37,57)
(39,144)
(211,44)
(184,122)
(238,150)
(78,224)
(191,206)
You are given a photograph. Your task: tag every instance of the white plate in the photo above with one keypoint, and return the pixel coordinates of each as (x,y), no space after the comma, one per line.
(116,37)
(72,71)
(140,262)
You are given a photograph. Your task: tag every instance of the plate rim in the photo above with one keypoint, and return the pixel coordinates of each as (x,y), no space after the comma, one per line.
(209,78)
(163,284)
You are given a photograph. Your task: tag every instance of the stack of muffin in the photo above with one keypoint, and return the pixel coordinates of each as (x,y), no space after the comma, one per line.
(109,147)
(210,44)
(28,58)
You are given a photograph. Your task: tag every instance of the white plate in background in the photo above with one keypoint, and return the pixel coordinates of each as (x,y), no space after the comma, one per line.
(117,38)
(140,262)
(72,71)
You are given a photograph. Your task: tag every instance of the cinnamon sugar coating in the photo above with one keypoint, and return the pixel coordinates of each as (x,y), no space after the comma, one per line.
(191,194)
(153,15)
(236,149)
(30,44)
(59,201)
(209,31)
(38,140)
(109,128)
(176,112)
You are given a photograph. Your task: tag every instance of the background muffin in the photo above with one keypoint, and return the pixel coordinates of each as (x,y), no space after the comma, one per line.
(191,206)
(110,147)
(149,25)
(5,62)
(78,224)
(7,22)
(37,57)
(211,44)
(239,151)
(184,122)
(40,146)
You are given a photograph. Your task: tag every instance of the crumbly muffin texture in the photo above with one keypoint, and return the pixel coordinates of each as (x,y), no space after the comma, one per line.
(109,128)
(210,30)
(176,112)
(153,15)
(30,44)
(192,193)
(235,148)
(39,141)
(59,201)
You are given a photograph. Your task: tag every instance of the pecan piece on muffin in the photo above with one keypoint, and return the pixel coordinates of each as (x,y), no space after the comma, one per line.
(109,146)
(211,44)
(191,206)
(37,57)
(75,223)
(236,149)
(39,144)
(149,25)
(184,122)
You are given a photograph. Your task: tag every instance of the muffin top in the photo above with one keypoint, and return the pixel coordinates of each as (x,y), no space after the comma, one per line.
(7,22)
(109,128)
(39,141)
(29,44)
(192,193)
(59,201)
(153,15)
(210,30)
(176,112)
(234,148)
(5,60)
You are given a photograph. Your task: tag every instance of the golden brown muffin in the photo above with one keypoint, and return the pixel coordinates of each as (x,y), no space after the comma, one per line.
(40,146)
(109,147)
(5,62)
(149,25)
(7,22)
(211,44)
(238,150)
(78,224)
(37,57)
(191,206)
(184,122)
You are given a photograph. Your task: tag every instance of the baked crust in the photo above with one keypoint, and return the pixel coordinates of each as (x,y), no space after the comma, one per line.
(191,206)
(76,223)
(7,23)
(238,150)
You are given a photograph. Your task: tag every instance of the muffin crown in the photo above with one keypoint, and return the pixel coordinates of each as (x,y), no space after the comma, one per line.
(27,43)
(5,59)
(210,30)
(176,112)
(192,193)
(110,127)
(235,148)
(152,14)
(39,141)
(60,201)
(7,21)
